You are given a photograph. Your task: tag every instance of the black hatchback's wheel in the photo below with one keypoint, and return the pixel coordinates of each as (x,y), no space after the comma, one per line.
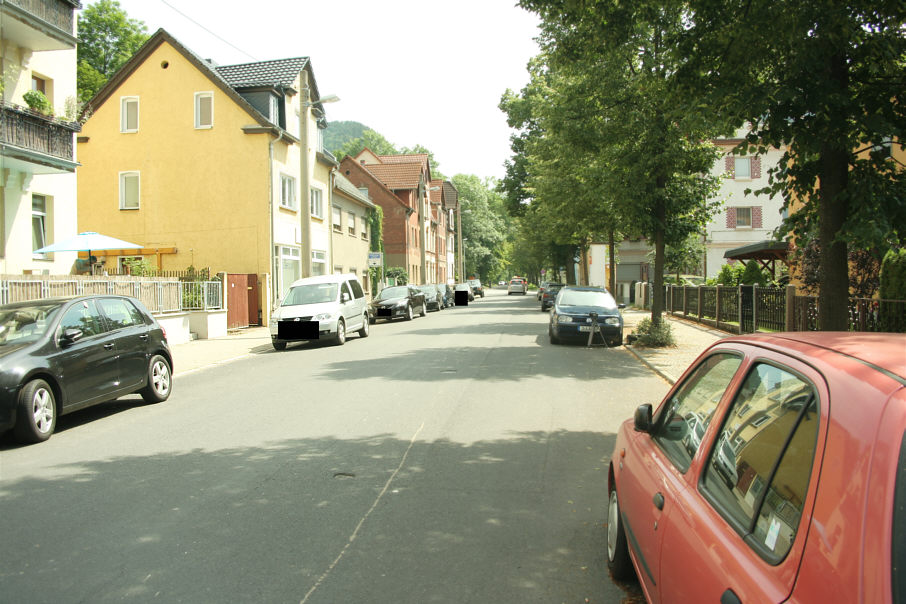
(617,552)
(409,313)
(424,310)
(157,389)
(279,344)
(36,415)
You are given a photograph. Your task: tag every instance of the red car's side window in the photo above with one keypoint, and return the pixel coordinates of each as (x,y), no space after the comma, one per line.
(683,419)
(758,469)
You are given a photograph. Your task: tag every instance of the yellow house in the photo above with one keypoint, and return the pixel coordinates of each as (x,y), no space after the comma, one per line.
(203,165)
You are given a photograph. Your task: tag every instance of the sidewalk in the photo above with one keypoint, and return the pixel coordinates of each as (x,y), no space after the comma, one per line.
(237,344)
(670,363)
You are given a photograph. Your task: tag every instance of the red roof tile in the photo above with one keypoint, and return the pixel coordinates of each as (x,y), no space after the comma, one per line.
(397,176)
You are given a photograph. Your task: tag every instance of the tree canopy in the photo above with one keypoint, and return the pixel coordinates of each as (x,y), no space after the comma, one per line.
(825,80)
(107,39)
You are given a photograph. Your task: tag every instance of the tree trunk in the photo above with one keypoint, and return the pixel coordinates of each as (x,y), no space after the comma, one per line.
(613,265)
(833,210)
(660,214)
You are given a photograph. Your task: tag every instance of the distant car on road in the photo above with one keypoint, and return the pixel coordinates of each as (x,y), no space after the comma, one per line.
(516,286)
(477,288)
(446,293)
(774,470)
(541,289)
(398,302)
(433,297)
(59,355)
(501,283)
(571,317)
(550,293)
(465,287)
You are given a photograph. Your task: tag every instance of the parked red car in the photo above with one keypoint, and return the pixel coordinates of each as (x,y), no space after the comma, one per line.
(773,471)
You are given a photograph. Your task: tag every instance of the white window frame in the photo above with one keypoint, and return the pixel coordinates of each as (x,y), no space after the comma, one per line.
(316,203)
(742,161)
(124,113)
(41,216)
(288,192)
(198,98)
(274,109)
(123,188)
(319,257)
(739,224)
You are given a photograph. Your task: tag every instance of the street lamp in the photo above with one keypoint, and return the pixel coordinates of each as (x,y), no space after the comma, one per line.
(330,98)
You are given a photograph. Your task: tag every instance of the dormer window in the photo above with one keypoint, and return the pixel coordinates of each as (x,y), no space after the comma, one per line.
(275,110)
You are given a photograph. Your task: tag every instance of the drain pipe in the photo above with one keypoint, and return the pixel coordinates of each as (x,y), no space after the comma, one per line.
(270,210)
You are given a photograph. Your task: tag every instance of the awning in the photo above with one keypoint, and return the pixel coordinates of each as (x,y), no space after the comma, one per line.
(765,252)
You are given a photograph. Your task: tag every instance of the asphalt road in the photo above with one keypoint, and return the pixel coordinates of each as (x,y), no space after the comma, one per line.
(459,457)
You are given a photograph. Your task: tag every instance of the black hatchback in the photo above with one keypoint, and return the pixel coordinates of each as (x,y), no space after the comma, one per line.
(58,355)
(580,311)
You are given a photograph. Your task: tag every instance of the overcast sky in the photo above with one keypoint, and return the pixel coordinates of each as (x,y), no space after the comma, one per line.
(427,72)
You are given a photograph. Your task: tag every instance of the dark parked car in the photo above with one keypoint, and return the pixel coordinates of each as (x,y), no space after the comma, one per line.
(58,355)
(465,287)
(575,311)
(433,299)
(550,292)
(446,293)
(398,302)
(477,288)
(774,470)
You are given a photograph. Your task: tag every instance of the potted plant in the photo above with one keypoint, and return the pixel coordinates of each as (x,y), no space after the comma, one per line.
(36,100)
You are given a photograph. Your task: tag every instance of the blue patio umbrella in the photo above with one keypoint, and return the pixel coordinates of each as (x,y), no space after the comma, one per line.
(86,242)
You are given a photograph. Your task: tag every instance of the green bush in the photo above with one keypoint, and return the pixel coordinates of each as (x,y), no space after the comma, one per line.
(730,274)
(36,100)
(893,275)
(753,275)
(398,273)
(654,336)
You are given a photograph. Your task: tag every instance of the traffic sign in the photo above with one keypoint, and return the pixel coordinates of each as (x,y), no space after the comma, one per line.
(375,259)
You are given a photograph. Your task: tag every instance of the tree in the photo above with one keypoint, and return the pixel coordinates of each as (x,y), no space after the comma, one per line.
(370,139)
(644,158)
(484,231)
(107,39)
(825,80)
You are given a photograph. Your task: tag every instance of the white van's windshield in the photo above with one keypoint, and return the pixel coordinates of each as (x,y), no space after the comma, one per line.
(313,293)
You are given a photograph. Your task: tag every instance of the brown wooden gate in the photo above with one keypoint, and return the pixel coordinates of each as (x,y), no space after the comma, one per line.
(242,300)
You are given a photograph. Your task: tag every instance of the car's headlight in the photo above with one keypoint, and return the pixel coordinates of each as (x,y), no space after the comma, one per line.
(564,319)
(612,320)
(324,316)
(402,304)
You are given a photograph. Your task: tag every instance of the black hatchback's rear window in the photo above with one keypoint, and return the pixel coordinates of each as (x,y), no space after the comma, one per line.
(898,555)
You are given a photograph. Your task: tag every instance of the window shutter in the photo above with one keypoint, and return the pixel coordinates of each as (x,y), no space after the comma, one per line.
(729,166)
(756,217)
(756,167)
(731,218)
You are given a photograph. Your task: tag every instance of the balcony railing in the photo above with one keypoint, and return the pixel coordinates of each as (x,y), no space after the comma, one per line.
(37,133)
(59,13)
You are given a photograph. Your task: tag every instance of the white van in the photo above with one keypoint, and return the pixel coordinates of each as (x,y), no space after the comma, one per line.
(315,308)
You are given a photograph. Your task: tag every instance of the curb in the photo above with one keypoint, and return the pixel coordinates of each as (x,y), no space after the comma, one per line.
(667,377)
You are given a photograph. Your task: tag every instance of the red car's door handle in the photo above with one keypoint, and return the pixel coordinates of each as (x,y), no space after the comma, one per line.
(659,501)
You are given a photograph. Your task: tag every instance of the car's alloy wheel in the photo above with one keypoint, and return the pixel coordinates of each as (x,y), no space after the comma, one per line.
(341,333)
(157,389)
(617,552)
(409,312)
(424,309)
(37,413)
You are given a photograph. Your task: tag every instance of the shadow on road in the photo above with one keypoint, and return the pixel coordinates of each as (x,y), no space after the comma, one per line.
(265,523)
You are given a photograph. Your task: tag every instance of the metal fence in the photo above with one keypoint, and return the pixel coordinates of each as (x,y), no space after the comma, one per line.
(745,309)
(159,296)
